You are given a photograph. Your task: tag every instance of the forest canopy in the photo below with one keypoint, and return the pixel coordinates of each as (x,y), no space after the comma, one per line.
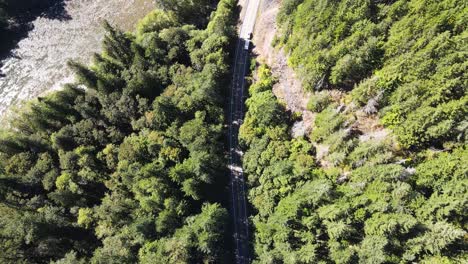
(362,201)
(126,164)
(407,58)
(381,176)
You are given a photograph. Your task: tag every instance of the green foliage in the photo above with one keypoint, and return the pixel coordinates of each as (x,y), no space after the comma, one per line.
(434,241)
(275,164)
(326,122)
(369,207)
(265,80)
(70,258)
(191,12)
(371,153)
(119,171)
(318,102)
(156,21)
(442,168)
(407,58)
(85,217)
(378,200)
(282,241)
(345,43)
(199,241)
(265,115)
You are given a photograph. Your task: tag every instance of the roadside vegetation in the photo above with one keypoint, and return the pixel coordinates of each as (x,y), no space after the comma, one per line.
(345,193)
(125,165)
(373,202)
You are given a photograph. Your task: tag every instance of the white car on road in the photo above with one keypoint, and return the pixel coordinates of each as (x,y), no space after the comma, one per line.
(247,44)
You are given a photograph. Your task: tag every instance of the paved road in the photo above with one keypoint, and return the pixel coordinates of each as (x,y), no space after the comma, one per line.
(236,115)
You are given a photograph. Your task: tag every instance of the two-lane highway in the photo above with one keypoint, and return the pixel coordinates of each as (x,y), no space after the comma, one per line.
(236,116)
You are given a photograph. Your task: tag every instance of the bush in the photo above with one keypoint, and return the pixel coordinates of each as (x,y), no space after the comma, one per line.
(326,122)
(370,153)
(318,102)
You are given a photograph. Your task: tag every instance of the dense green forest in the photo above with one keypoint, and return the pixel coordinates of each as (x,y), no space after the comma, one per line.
(126,165)
(375,203)
(337,194)
(406,59)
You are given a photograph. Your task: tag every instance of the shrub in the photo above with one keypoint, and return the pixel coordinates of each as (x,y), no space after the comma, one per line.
(326,122)
(318,102)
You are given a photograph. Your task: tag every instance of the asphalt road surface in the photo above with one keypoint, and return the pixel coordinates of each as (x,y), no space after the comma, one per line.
(236,116)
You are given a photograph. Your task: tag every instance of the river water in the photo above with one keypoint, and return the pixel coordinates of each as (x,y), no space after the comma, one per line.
(38,64)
